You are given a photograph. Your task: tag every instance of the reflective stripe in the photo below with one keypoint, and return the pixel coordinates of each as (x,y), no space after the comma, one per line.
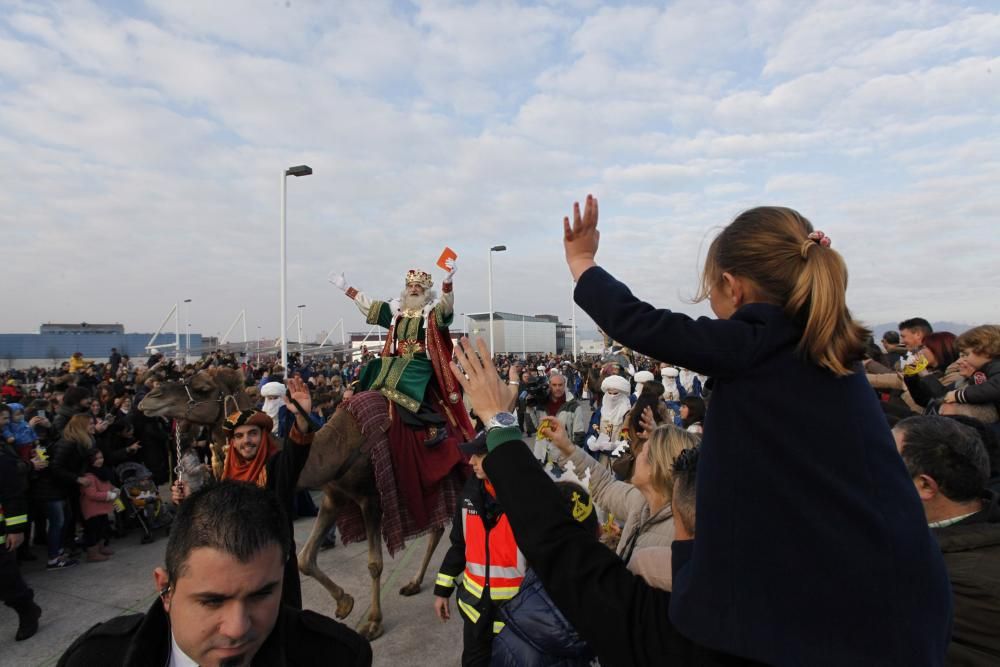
(445,580)
(496,572)
(473,616)
(496,593)
(17,520)
(470,612)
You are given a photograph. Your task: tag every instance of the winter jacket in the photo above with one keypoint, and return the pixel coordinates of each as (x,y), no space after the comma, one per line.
(536,633)
(94,498)
(63,414)
(925,388)
(23,434)
(640,530)
(44,486)
(298,639)
(67,460)
(971,551)
(13,487)
(985,392)
(810,533)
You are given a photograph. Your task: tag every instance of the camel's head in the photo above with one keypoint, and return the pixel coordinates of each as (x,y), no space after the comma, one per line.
(199,399)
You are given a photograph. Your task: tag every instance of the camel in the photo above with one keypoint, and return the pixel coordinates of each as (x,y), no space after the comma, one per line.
(336,465)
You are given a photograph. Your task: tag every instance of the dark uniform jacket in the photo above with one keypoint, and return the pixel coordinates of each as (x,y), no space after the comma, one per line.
(13,487)
(299,638)
(971,551)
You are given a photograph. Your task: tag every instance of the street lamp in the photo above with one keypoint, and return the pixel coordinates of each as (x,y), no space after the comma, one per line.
(300,170)
(301,307)
(187,335)
(258,345)
(496,248)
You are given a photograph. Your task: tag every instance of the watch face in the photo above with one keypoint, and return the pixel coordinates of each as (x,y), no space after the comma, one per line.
(505,419)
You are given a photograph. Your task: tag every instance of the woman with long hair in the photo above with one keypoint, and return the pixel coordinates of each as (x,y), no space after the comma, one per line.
(68,460)
(936,369)
(811,547)
(642,504)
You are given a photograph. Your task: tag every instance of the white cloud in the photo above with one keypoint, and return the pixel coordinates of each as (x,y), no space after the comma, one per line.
(141,147)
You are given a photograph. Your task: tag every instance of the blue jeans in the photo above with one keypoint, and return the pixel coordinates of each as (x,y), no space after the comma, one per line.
(55,513)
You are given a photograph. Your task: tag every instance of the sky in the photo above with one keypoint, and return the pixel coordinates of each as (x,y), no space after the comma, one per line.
(142,147)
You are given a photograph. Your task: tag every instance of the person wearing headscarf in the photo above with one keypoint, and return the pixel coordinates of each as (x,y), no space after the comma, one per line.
(607,423)
(253,456)
(640,378)
(274,395)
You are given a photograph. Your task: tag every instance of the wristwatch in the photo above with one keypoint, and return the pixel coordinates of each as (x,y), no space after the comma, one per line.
(501,420)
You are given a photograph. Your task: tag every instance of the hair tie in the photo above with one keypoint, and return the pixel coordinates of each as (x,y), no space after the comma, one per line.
(818,238)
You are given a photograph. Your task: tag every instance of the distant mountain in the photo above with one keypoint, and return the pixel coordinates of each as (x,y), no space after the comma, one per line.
(954,327)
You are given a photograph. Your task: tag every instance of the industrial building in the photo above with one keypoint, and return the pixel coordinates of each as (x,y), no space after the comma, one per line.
(55,343)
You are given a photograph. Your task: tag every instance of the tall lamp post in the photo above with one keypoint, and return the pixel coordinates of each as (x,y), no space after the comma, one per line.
(300,170)
(496,248)
(301,308)
(187,335)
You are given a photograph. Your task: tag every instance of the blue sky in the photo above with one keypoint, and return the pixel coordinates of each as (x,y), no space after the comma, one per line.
(141,146)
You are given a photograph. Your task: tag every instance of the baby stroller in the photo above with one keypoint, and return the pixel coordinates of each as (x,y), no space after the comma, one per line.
(141,500)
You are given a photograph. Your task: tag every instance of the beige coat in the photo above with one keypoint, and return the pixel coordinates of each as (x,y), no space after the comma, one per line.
(627,504)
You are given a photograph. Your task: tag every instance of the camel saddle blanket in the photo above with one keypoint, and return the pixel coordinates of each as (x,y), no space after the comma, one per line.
(396,496)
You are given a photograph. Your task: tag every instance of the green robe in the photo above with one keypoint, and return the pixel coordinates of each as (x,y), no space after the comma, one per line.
(402,378)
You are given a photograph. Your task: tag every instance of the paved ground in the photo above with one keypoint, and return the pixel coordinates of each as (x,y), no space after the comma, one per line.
(73,600)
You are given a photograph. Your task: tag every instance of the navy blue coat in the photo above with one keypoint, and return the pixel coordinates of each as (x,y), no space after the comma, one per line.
(535,633)
(811,547)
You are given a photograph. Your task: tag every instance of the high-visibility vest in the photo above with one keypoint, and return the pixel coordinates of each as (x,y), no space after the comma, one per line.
(506,564)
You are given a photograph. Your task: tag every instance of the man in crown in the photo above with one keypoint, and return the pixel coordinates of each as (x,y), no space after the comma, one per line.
(412,371)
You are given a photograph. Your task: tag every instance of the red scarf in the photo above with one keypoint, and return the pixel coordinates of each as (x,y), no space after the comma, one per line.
(239,469)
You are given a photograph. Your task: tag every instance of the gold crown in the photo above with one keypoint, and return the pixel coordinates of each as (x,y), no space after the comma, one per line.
(422,278)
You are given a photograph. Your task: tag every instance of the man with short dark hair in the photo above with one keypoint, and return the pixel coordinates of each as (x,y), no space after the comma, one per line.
(913,331)
(220,596)
(950,467)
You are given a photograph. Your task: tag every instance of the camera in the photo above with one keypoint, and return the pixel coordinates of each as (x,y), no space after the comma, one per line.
(537,391)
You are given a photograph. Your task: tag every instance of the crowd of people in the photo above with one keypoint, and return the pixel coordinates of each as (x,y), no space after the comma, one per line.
(770,487)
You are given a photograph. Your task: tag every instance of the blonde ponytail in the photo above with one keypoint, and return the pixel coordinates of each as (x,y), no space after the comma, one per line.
(792,266)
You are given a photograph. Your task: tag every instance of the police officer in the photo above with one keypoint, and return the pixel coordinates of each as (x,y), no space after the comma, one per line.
(14,592)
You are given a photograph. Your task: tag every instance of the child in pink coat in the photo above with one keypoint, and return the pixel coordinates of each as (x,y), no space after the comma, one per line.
(96,502)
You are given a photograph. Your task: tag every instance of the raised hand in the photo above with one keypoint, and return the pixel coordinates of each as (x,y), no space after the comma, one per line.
(479,379)
(580,240)
(452,270)
(338,280)
(300,392)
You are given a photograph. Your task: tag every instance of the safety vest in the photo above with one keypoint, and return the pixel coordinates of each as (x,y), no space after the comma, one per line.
(12,521)
(506,564)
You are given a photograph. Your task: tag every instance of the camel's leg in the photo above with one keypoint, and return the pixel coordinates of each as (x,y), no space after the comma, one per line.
(307,557)
(413,587)
(371,628)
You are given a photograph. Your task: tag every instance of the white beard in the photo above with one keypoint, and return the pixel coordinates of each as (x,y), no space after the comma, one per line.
(410,302)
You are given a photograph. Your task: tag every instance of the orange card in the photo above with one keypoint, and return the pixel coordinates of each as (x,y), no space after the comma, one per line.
(445,256)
